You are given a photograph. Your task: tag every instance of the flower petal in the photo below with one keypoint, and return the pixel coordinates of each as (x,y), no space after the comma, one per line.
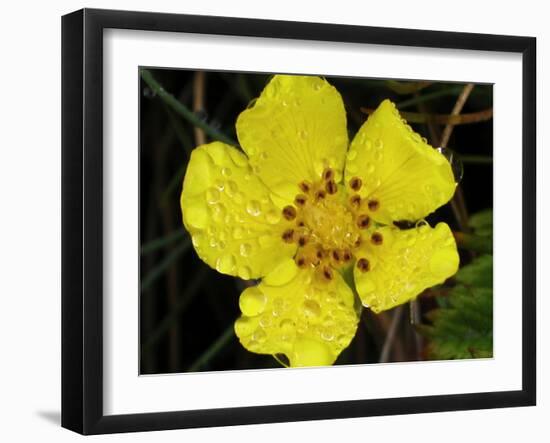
(404,176)
(235,226)
(404,264)
(295,129)
(291,312)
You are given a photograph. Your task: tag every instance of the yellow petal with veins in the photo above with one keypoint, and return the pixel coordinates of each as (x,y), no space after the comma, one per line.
(404,264)
(234,224)
(295,129)
(294,313)
(404,176)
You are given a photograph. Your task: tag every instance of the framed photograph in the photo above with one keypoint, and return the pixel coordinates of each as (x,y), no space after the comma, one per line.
(269,221)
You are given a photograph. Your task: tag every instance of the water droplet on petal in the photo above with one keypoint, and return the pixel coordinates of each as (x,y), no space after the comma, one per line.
(226,172)
(212,195)
(244,272)
(253,208)
(245,249)
(225,264)
(352,154)
(252,301)
(311,308)
(273,216)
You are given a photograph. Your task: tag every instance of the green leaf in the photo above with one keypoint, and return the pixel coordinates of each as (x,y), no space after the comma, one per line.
(482,223)
(462,327)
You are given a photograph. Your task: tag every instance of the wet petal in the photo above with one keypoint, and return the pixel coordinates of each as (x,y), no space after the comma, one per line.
(295,129)
(402,176)
(401,264)
(291,312)
(235,226)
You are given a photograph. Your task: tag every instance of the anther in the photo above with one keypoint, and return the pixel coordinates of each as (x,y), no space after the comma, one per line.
(300,200)
(331,187)
(320,254)
(300,223)
(305,186)
(376,238)
(355,183)
(336,255)
(363,265)
(357,242)
(302,240)
(363,221)
(320,195)
(328,174)
(288,236)
(373,204)
(346,256)
(327,273)
(289,212)
(301,262)
(355,201)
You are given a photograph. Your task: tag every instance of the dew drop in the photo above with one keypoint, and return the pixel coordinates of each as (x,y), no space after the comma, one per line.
(327,334)
(225,264)
(220,185)
(253,208)
(244,326)
(244,272)
(252,301)
(352,154)
(370,168)
(212,195)
(311,308)
(259,335)
(245,249)
(273,216)
(378,144)
(302,134)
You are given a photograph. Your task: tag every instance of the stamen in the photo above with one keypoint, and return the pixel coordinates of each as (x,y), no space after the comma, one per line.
(377,238)
(363,264)
(331,187)
(358,242)
(300,223)
(327,273)
(301,261)
(363,221)
(289,212)
(302,240)
(373,204)
(288,236)
(336,255)
(320,194)
(328,174)
(346,256)
(355,183)
(305,186)
(300,200)
(355,201)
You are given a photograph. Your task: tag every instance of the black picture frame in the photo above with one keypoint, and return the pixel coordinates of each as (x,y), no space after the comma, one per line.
(82,220)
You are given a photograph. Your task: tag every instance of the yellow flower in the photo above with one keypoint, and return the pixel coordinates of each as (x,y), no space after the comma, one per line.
(314,219)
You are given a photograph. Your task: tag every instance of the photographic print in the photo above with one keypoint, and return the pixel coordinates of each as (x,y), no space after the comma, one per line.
(301,220)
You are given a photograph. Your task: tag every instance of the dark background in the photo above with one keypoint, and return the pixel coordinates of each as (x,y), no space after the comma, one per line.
(187,309)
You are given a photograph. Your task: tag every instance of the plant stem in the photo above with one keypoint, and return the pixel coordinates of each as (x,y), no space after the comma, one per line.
(211,352)
(160,242)
(156,272)
(386,349)
(189,294)
(182,110)
(427,97)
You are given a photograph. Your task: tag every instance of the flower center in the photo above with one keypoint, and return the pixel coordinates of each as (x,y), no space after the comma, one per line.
(328,222)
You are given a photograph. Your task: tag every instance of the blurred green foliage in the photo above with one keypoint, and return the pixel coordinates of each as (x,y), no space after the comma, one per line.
(462,325)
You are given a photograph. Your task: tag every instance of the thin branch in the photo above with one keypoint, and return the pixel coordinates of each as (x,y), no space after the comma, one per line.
(386,349)
(198,103)
(456,110)
(442,119)
(182,110)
